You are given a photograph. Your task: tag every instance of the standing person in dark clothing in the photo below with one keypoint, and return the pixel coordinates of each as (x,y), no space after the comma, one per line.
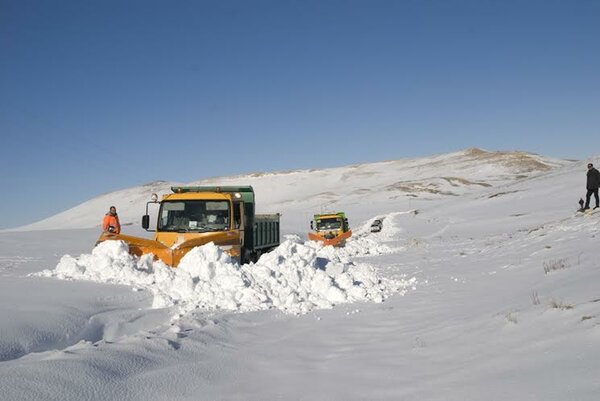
(593,182)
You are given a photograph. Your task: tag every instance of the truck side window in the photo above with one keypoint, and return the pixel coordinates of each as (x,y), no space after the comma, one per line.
(237,214)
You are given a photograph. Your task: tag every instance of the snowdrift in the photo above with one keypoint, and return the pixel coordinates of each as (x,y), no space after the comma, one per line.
(295,278)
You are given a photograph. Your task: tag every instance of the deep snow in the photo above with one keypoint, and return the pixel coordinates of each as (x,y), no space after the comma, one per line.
(296,277)
(500,301)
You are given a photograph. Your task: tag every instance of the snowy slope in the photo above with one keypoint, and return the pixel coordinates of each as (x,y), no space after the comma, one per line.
(299,194)
(486,294)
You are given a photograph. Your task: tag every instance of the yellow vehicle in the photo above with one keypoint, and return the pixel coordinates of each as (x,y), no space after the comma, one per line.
(194,216)
(331,229)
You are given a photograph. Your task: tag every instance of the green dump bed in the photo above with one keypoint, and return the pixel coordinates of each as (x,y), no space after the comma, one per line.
(265,232)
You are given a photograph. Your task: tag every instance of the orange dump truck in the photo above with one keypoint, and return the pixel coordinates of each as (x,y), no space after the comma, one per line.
(330,228)
(194,216)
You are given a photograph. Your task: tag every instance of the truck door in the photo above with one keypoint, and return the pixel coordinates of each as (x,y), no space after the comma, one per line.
(238,219)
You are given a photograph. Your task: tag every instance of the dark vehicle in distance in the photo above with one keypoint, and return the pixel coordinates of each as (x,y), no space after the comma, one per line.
(376,226)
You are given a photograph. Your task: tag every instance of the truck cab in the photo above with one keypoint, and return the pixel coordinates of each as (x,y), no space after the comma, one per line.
(330,228)
(194,216)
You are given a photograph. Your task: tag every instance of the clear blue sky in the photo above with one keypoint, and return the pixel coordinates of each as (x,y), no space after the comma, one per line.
(102,95)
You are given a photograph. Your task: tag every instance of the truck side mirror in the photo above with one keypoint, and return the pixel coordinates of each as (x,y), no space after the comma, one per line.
(145,222)
(311,225)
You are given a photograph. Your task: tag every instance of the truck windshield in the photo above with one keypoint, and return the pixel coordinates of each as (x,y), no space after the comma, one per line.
(329,224)
(194,216)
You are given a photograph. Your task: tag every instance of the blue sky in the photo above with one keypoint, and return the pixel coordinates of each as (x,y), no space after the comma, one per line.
(97,96)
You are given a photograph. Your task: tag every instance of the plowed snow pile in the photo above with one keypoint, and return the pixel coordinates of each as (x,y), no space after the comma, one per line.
(295,277)
(363,242)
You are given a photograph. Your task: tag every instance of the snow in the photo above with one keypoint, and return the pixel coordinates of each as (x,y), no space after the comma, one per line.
(295,278)
(302,193)
(485,293)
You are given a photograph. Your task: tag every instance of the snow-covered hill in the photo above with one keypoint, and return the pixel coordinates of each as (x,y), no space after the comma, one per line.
(486,293)
(299,194)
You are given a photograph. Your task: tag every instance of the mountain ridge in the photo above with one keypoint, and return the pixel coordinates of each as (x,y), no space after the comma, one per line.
(302,191)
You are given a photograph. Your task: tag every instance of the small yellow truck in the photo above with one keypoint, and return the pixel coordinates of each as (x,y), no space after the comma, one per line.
(194,216)
(330,228)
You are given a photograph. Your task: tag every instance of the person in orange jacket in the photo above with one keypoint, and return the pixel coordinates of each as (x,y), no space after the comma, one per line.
(111,224)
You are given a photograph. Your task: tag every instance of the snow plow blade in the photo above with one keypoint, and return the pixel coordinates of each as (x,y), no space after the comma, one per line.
(340,240)
(142,246)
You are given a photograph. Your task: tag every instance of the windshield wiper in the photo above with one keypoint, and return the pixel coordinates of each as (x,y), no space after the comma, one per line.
(210,229)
